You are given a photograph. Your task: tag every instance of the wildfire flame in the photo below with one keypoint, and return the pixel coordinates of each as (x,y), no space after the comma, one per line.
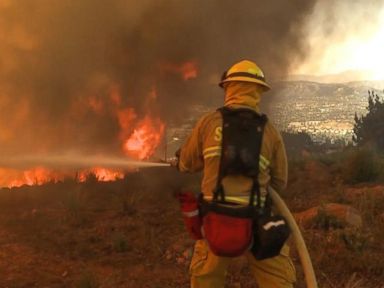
(145,138)
(36,176)
(140,136)
(41,175)
(101,174)
(187,70)
(139,142)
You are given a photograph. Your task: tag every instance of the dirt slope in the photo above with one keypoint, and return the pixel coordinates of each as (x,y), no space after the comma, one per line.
(129,233)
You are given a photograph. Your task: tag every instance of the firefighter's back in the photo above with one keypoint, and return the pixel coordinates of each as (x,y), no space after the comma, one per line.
(272,164)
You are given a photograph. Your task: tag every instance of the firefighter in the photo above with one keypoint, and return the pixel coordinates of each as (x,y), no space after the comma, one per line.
(243,84)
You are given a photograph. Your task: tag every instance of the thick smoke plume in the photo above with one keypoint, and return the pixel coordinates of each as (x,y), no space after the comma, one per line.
(69,68)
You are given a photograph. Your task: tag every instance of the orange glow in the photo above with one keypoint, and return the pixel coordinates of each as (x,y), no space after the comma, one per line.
(187,70)
(145,138)
(39,176)
(35,176)
(101,174)
(139,136)
(114,95)
(153,94)
(96,104)
(126,117)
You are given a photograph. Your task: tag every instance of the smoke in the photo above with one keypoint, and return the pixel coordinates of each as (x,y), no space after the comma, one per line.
(339,35)
(68,67)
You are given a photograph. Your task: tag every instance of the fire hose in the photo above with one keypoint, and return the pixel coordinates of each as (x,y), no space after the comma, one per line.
(306,263)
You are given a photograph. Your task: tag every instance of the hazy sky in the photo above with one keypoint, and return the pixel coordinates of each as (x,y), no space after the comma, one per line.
(346,35)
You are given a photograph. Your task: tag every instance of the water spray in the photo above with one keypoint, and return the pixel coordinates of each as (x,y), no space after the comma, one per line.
(76,161)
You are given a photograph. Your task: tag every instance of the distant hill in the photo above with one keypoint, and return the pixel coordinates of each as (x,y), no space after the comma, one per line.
(324,110)
(351,76)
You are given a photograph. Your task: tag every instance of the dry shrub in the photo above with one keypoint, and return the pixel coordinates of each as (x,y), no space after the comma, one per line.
(87,280)
(326,221)
(361,165)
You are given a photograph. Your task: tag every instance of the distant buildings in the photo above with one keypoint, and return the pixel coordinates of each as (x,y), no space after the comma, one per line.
(324,111)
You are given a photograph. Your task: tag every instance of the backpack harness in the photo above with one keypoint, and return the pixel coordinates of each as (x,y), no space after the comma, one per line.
(231,229)
(228,227)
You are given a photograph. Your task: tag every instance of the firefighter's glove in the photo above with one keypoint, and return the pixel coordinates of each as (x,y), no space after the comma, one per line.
(175,161)
(185,198)
(190,210)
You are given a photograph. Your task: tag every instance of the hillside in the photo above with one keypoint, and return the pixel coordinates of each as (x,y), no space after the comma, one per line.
(320,109)
(323,110)
(129,233)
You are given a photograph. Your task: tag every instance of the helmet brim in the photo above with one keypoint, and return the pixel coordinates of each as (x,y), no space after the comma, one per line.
(265,86)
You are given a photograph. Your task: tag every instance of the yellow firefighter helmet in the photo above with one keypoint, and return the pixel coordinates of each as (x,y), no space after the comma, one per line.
(245,71)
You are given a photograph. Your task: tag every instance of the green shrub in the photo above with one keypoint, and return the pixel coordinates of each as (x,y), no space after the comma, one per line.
(369,129)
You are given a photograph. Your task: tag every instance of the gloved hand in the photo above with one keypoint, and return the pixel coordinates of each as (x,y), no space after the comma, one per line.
(185,198)
(175,161)
(190,209)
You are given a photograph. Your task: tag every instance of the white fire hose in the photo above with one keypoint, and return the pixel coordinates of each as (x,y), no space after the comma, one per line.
(305,259)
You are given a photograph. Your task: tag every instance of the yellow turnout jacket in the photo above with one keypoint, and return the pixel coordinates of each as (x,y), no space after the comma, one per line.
(202,150)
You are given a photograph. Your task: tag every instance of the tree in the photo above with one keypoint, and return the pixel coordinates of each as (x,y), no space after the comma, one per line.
(369,129)
(296,143)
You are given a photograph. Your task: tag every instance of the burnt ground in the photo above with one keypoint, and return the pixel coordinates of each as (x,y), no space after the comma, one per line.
(130,233)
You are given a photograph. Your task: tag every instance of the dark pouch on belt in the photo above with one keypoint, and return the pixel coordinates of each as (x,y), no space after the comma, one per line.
(270,234)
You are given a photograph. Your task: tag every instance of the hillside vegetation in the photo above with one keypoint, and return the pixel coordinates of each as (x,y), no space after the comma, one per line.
(129,233)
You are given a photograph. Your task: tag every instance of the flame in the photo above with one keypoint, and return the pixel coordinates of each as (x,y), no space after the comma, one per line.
(101,174)
(145,138)
(41,175)
(126,117)
(96,104)
(114,94)
(187,70)
(139,136)
(35,176)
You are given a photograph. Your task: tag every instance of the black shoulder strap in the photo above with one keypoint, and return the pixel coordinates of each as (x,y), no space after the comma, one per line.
(251,115)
